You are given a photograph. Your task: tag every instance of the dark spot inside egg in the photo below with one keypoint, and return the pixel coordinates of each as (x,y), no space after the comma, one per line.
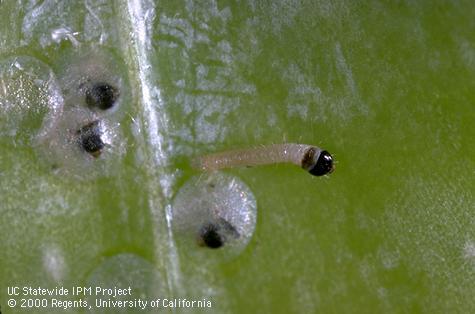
(210,236)
(215,234)
(102,95)
(90,139)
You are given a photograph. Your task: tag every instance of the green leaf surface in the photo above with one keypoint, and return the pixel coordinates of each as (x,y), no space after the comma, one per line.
(386,87)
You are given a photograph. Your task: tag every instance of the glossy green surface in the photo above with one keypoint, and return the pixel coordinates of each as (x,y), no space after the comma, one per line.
(386,87)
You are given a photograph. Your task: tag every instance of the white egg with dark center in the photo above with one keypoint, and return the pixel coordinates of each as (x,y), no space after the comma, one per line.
(94,78)
(83,145)
(215,212)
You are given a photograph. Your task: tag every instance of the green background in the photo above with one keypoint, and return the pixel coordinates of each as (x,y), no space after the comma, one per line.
(385,86)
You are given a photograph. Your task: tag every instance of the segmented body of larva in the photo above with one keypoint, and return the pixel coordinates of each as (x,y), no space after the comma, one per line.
(311,158)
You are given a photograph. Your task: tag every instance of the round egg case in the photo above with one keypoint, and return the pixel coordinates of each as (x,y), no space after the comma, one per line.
(83,145)
(30,99)
(215,212)
(96,79)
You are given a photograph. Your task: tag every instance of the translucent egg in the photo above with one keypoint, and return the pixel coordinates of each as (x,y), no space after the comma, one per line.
(83,145)
(215,212)
(94,78)
(30,99)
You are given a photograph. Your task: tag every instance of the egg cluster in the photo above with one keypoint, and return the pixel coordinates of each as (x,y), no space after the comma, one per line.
(70,112)
(87,140)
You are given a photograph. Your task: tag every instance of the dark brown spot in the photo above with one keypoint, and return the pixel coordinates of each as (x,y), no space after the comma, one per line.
(102,95)
(90,138)
(210,236)
(215,234)
(309,158)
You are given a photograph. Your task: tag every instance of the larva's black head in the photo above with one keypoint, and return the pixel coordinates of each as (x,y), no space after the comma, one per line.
(324,164)
(210,236)
(101,95)
(90,139)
